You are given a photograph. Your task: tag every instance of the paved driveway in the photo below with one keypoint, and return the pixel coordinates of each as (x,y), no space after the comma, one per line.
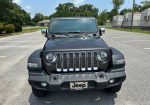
(14,88)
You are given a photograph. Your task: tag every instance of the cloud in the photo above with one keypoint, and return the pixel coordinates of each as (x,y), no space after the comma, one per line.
(78,2)
(28,8)
(17,1)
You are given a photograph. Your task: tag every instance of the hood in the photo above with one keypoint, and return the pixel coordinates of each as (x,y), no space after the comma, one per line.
(74,43)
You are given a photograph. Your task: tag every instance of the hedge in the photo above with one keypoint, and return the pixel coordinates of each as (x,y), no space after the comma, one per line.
(1,27)
(18,28)
(9,28)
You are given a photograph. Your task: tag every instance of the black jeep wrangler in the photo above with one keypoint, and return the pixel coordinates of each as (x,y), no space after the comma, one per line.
(75,57)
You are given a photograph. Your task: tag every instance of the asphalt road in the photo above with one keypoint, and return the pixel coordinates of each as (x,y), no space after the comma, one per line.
(14,88)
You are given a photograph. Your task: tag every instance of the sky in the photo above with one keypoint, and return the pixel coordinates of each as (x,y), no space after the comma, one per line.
(47,7)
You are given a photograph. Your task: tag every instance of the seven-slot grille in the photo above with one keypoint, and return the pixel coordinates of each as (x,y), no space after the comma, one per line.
(77,61)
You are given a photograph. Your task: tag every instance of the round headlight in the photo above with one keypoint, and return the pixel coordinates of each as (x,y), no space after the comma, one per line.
(102,56)
(50,58)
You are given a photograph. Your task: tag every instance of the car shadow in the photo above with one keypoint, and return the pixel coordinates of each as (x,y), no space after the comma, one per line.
(92,97)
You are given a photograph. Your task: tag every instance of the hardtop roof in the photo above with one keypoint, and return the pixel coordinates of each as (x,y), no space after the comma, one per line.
(73,18)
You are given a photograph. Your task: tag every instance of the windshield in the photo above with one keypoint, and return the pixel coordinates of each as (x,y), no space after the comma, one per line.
(73,26)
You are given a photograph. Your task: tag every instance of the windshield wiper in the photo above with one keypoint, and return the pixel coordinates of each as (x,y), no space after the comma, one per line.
(74,32)
(60,35)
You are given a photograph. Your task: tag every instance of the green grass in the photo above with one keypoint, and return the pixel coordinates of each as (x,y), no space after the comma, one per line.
(24,30)
(137,30)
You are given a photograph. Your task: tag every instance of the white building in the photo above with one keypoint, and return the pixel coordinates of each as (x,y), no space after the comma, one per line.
(117,21)
(145,19)
(128,17)
(44,23)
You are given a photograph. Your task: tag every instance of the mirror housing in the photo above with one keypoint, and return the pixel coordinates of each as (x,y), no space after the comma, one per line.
(44,32)
(101,31)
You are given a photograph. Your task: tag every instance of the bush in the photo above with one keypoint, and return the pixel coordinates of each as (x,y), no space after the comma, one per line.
(9,28)
(1,27)
(18,28)
(33,23)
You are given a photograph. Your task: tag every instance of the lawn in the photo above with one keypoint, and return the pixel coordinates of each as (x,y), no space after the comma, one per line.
(24,30)
(137,30)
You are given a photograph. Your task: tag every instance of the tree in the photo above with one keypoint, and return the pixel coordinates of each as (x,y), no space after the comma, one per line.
(88,10)
(124,11)
(5,6)
(103,17)
(12,13)
(113,12)
(116,4)
(18,15)
(46,17)
(65,10)
(69,10)
(137,8)
(145,5)
(38,17)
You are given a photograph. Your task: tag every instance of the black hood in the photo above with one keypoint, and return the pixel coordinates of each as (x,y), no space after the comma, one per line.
(74,43)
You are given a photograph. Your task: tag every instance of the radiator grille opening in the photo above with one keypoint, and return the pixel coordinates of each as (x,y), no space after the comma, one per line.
(77,61)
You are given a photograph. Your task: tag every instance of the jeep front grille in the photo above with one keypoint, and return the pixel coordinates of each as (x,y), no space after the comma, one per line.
(77,61)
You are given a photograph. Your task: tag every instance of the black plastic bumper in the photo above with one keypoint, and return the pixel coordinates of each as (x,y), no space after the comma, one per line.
(96,80)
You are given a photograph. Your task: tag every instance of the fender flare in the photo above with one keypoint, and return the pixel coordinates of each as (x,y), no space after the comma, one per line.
(117,55)
(35,57)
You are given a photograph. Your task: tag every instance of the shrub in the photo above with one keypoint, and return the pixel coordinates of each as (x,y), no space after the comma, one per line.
(9,28)
(1,27)
(18,28)
(33,23)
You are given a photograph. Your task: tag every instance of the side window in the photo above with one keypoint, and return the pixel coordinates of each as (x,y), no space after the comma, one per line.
(146,18)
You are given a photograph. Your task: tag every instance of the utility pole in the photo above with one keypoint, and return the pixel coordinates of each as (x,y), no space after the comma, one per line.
(132,14)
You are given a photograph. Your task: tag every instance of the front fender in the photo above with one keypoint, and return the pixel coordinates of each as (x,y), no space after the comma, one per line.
(35,59)
(118,60)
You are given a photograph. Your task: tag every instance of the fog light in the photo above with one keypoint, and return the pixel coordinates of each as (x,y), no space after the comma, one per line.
(43,84)
(112,81)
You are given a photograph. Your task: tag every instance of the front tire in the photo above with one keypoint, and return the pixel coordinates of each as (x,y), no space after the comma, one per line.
(114,89)
(39,92)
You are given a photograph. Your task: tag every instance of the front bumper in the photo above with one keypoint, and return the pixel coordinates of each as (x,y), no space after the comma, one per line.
(96,80)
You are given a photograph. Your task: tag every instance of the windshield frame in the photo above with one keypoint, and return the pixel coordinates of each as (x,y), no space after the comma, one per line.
(59,33)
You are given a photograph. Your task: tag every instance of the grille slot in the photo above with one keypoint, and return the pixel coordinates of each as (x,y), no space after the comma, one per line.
(58,64)
(64,62)
(95,62)
(70,62)
(76,61)
(83,61)
(89,61)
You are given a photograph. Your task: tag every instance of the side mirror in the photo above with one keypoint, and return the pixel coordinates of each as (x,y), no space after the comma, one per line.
(101,31)
(44,32)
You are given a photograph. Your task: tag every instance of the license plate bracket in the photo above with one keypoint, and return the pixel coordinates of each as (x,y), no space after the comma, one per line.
(78,85)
